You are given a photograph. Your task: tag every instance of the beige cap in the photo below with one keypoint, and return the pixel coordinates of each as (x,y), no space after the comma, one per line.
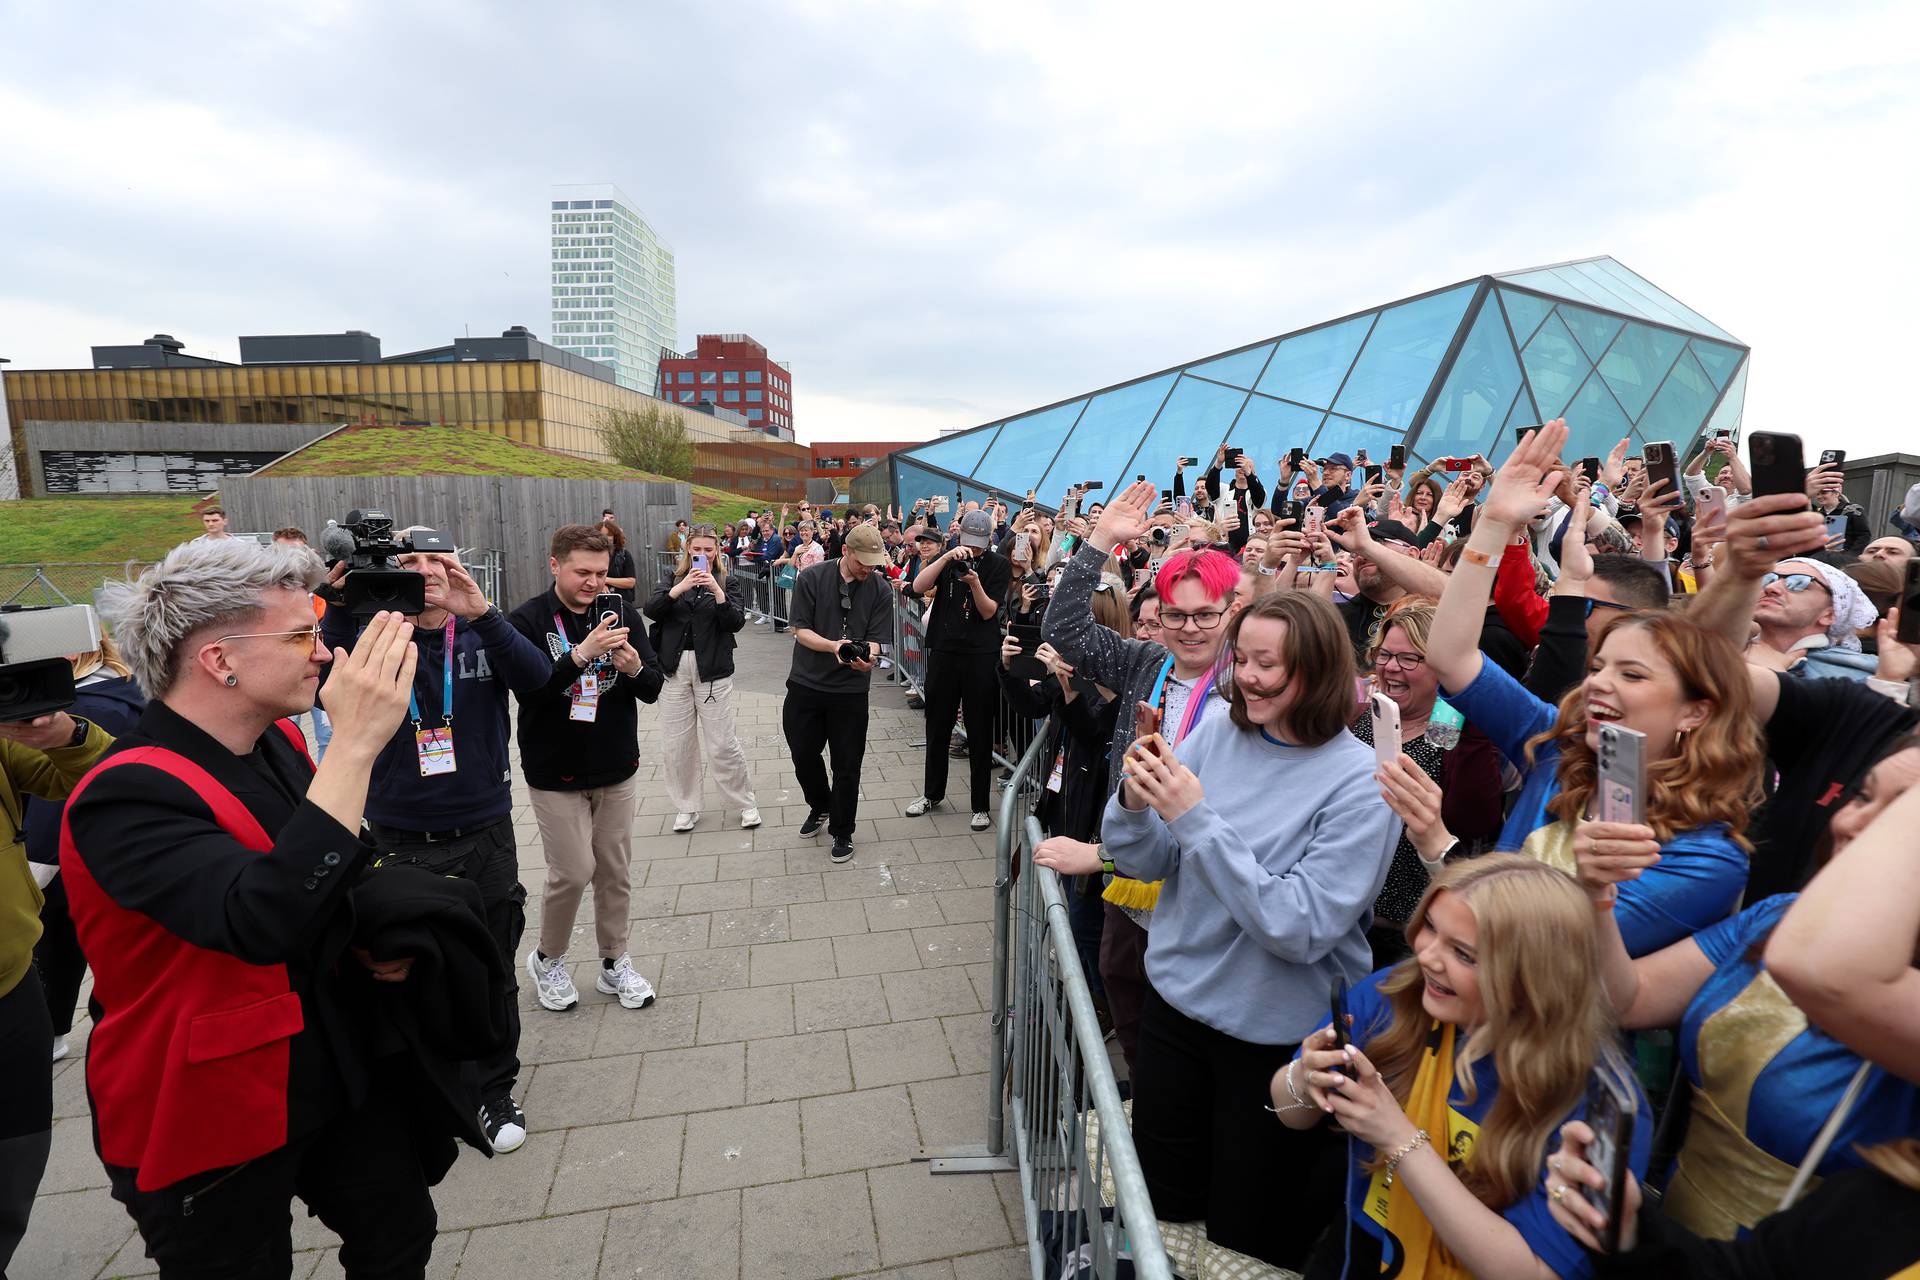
(865,544)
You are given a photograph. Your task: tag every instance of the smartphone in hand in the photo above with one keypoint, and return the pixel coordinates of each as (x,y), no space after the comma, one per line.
(1908,631)
(1776,463)
(608,605)
(1622,774)
(1659,459)
(1610,1113)
(1385,715)
(1337,1006)
(1397,458)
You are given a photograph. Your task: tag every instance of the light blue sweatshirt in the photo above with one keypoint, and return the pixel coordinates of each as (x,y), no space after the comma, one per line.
(1269,880)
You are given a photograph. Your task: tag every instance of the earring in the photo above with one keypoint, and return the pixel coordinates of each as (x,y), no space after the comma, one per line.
(232,681)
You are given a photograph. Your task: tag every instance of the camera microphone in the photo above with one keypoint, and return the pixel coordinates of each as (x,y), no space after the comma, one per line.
(335,543)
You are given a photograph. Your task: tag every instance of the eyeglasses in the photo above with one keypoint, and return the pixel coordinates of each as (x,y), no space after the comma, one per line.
(1795,582)
(1205,619)
(1405,661)
(1593,604)
(306,638)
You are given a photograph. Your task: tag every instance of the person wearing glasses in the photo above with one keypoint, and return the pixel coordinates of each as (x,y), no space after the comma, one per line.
(440,790)
(1386,566)
(1682,687)
(1807,617)
(211,869)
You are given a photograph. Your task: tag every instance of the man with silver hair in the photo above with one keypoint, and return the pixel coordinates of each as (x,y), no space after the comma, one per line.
(208,865)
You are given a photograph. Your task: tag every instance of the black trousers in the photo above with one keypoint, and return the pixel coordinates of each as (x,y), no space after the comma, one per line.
(26,1122)
(488,857)
(956,681)
(1211,1149)
(817,722)
(360,1175)
(58,957)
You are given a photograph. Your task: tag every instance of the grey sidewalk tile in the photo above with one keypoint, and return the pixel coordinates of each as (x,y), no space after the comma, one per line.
(951,1112)
(825,919)
(691,971)
(72,1164)
(954,944)
(688,870)
(1013,1202)
(747,925)
(480,1192)
(844,1131)
(741,1147)
(860,882)
(676,1080)
(878,853)
(966,906)
(926,877)
(797,1066)
(806,961)
(566,1248)
(999,1264)
(692,1238)
(921,1217)
(667,934)
(730,840)
(606,1165)
(547,1036)
(875,953)
(898,1052)
(813,1229)
(838,1003)
(941,1270)
(592,1091)
(978,873)
(934,849)
(645,903)
(747,1014)
(928,993)
(981,975)
(718,895)
(72,1235)
(667,1023)
(970,1037)
(752,864)
(776,891)
(903,912)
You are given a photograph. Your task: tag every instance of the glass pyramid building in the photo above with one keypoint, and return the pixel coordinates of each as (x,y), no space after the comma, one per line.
(1448,373)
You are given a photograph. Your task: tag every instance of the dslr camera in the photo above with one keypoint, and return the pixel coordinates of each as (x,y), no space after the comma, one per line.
(854,651)
(35,677)
(375,581)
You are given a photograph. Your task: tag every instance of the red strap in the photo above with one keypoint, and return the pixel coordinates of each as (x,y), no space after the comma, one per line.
(297,738)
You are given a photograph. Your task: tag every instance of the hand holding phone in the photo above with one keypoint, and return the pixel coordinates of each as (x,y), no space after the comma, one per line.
(1337,1007)
(1622,774)
(1610,1114)
(1776,463)
(1385,715)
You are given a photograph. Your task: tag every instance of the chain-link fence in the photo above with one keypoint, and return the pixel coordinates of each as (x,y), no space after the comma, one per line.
(62,582)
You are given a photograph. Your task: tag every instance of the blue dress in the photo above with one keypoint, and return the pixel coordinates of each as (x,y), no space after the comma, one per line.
(1701,872)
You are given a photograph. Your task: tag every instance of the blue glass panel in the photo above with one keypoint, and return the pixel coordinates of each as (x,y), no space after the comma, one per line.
(1478,391)
(1026,445)
(1606,284)
(1557,282)
(1522,415)
(1654,297)
(1240,369)
(957,453)
(1680,405)
(1346,435)
(1594,421)
(1637,361)
(1524,314)
(1590,329)
(1555,367)
(1268,428)
(1309,366)
(1193,422)
(1718,361)
(1103,441)
(1397,364)
(1643,301)
(1732,403)
(916,483)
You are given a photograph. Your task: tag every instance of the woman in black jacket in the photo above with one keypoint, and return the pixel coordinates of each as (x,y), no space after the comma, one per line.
(697,615)
(622,575)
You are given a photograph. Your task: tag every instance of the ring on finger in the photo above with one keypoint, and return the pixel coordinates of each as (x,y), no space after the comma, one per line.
(1557,1192)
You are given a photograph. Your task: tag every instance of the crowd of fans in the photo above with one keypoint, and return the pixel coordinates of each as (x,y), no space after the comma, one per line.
(1494,872)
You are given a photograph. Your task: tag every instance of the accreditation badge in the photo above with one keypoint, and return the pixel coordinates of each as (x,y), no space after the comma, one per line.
(435,750)
(585,706)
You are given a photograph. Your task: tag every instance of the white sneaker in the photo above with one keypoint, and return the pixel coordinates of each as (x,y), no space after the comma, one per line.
(504,1124)
(981,821)
(60,1048)
(749,818)
(923,806)
(635,992)
(685,821)
(552,984)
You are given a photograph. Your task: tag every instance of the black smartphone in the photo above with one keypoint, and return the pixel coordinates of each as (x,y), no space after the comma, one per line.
(1909,629)
(608,602)
(1659,459)
(1397,458)
(1296,456)
(1832,457)
(1590,468)
(1142,476)
(1776,463)
(1610,1112)
(1372,473)
(1337,1006)
(1090,485)
(1297,512)
(1520,433)
(1023,665)
(1189,462)
(1232,456)
(1166,497)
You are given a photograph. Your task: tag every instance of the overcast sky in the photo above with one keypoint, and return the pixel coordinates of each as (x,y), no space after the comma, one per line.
(941,214)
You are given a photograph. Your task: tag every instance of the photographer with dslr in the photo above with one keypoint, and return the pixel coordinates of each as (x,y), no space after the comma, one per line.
(963,636)
(579,750)
(440,792)
(842,613)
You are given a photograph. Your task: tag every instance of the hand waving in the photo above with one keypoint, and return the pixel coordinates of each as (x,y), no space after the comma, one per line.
(1528,477)
(1127,517)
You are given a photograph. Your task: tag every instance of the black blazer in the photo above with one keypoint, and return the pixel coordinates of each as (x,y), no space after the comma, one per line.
(696,620)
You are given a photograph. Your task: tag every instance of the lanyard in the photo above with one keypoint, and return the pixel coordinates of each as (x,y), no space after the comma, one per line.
(446,683)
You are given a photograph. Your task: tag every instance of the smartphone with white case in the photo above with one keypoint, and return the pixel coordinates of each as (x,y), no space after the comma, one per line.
(1386,727)
(1622,774)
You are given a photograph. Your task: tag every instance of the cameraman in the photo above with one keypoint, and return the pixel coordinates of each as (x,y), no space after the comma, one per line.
(842,610)
(963,638)
(439,791)
(579,749)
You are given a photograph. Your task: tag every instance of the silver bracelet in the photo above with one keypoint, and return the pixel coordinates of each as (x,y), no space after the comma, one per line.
(1299,1103)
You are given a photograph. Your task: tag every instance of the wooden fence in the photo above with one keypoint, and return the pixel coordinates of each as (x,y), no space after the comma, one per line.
(514,514)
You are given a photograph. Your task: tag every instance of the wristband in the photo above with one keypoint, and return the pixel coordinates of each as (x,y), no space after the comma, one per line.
(1106,865)
(1475,557)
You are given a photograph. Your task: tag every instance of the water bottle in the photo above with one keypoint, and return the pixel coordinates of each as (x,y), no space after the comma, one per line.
(1444,725)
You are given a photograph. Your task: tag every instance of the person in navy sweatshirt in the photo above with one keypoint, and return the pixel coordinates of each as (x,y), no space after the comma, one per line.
(442,789)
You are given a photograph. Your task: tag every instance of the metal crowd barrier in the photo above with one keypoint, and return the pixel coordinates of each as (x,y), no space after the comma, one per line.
(762,598)
(1049,1064)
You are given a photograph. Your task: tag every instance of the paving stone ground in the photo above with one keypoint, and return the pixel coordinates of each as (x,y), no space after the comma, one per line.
(816,1026)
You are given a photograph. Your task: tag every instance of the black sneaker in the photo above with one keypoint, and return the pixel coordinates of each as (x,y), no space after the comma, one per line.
(505,1124)
(842,851)
(816,819)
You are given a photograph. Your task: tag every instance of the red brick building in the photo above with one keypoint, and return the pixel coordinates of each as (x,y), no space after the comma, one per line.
(836,459)
(732,371)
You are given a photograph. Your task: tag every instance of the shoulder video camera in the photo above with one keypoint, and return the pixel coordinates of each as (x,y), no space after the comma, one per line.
(35,677)
(375,582)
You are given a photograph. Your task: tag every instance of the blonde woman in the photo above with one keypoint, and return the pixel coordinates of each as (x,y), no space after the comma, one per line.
(1463,1063)
(699,613)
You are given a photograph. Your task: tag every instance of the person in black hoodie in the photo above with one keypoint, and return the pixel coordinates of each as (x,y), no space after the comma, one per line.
(579,748)
(696,616)
(442,792)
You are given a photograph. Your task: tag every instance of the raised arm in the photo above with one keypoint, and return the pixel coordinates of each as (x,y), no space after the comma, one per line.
(1096,651)
(1410,573)
(1760,532)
